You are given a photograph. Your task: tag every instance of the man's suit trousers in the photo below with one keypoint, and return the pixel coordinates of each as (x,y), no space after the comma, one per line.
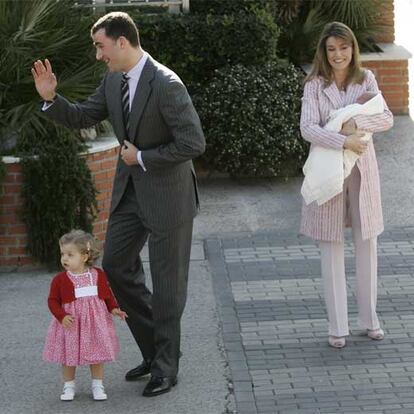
(153,317)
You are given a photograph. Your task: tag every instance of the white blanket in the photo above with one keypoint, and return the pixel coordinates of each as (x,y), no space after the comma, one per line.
(326,168)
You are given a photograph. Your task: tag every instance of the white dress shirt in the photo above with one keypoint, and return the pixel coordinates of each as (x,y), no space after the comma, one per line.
(134,74)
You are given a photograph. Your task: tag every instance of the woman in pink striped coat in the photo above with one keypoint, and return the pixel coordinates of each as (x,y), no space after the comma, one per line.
(335,81)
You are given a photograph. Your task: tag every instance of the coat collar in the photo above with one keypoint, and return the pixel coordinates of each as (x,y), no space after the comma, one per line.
(142,94)
(352,92)
(333,94)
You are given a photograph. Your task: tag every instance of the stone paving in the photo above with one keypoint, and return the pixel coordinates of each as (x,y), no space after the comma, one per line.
(274,327)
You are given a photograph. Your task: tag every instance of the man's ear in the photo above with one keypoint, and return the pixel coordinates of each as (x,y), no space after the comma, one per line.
(122,42)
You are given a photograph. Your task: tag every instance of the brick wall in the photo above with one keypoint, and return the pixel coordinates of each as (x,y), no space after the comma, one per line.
(13,237)
(102,166)
(392,77)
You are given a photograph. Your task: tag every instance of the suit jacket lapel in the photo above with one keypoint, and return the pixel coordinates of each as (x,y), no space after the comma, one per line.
(332,93)
(142,94)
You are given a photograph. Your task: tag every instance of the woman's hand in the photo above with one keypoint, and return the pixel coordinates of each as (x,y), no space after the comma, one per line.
(67,321)
(349,127)
(355,143)
(45,79)
(118,312)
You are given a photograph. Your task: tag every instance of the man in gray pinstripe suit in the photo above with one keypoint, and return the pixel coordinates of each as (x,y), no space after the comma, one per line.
(155,191)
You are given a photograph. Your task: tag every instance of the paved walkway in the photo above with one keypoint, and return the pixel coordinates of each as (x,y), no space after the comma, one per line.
(30,386)
(266,287)
(275,329)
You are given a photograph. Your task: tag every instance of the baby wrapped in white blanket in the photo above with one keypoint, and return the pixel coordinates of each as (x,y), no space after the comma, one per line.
(326,168)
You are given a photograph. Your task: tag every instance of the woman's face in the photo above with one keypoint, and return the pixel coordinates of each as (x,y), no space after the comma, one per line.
(339,53)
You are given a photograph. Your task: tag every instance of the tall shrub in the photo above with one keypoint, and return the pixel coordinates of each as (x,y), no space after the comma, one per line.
(220,7)
(195,45)
(251,118)
(58,193)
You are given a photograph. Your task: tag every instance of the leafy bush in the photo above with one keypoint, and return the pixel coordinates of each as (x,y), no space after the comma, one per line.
(195,45)
(220,7)
(58,190)
(251,120)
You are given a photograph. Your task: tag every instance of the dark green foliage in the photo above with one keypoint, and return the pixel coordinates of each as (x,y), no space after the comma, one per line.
(58,189)
(300,34)
(251,119)
(195,45)
(58,192)
(222,52)
(37,29)
(220,7)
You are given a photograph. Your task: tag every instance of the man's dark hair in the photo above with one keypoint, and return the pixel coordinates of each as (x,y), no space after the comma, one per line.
(117,24)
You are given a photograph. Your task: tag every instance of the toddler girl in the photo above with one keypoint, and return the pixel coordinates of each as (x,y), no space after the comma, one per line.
(82,331)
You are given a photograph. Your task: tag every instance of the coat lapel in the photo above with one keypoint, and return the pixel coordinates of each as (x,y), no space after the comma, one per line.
(333,95)
(354,90)
(142,94)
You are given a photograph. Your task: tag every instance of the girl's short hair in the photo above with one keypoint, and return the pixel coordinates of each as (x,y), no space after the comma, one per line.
(321,66)
(85,242)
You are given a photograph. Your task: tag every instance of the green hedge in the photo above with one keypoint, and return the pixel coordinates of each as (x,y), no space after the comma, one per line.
(195,45)
(249,107)
(251,119)
(227,6)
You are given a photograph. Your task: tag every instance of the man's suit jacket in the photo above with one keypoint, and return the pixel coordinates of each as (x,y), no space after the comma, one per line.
(163,125)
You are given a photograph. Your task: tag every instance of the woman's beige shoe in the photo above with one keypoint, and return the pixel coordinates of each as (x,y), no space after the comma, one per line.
(377,334)
(337,341)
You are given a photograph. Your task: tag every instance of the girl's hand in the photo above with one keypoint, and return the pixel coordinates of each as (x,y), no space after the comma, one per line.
(355,143)
(118,312)
(67,321)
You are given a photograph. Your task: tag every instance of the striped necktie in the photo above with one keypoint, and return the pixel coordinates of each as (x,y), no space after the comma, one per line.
(125,99)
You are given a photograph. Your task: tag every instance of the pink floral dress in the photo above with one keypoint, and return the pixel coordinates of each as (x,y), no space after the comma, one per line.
(92,338)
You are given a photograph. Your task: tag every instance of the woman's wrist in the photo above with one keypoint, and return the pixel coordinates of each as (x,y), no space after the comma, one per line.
(346,142)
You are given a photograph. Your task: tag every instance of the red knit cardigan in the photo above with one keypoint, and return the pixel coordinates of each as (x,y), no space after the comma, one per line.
(62,291)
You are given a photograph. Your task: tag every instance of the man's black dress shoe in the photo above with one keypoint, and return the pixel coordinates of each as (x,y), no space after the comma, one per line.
(159,385)
(139,372)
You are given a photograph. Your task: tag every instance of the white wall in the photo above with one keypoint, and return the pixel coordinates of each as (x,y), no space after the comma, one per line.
(404,36)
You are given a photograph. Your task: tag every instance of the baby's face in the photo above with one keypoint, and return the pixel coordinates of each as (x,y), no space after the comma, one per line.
(365,97)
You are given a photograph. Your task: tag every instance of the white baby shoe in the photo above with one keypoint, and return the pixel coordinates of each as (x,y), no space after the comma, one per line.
(68,393)
(98,392)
